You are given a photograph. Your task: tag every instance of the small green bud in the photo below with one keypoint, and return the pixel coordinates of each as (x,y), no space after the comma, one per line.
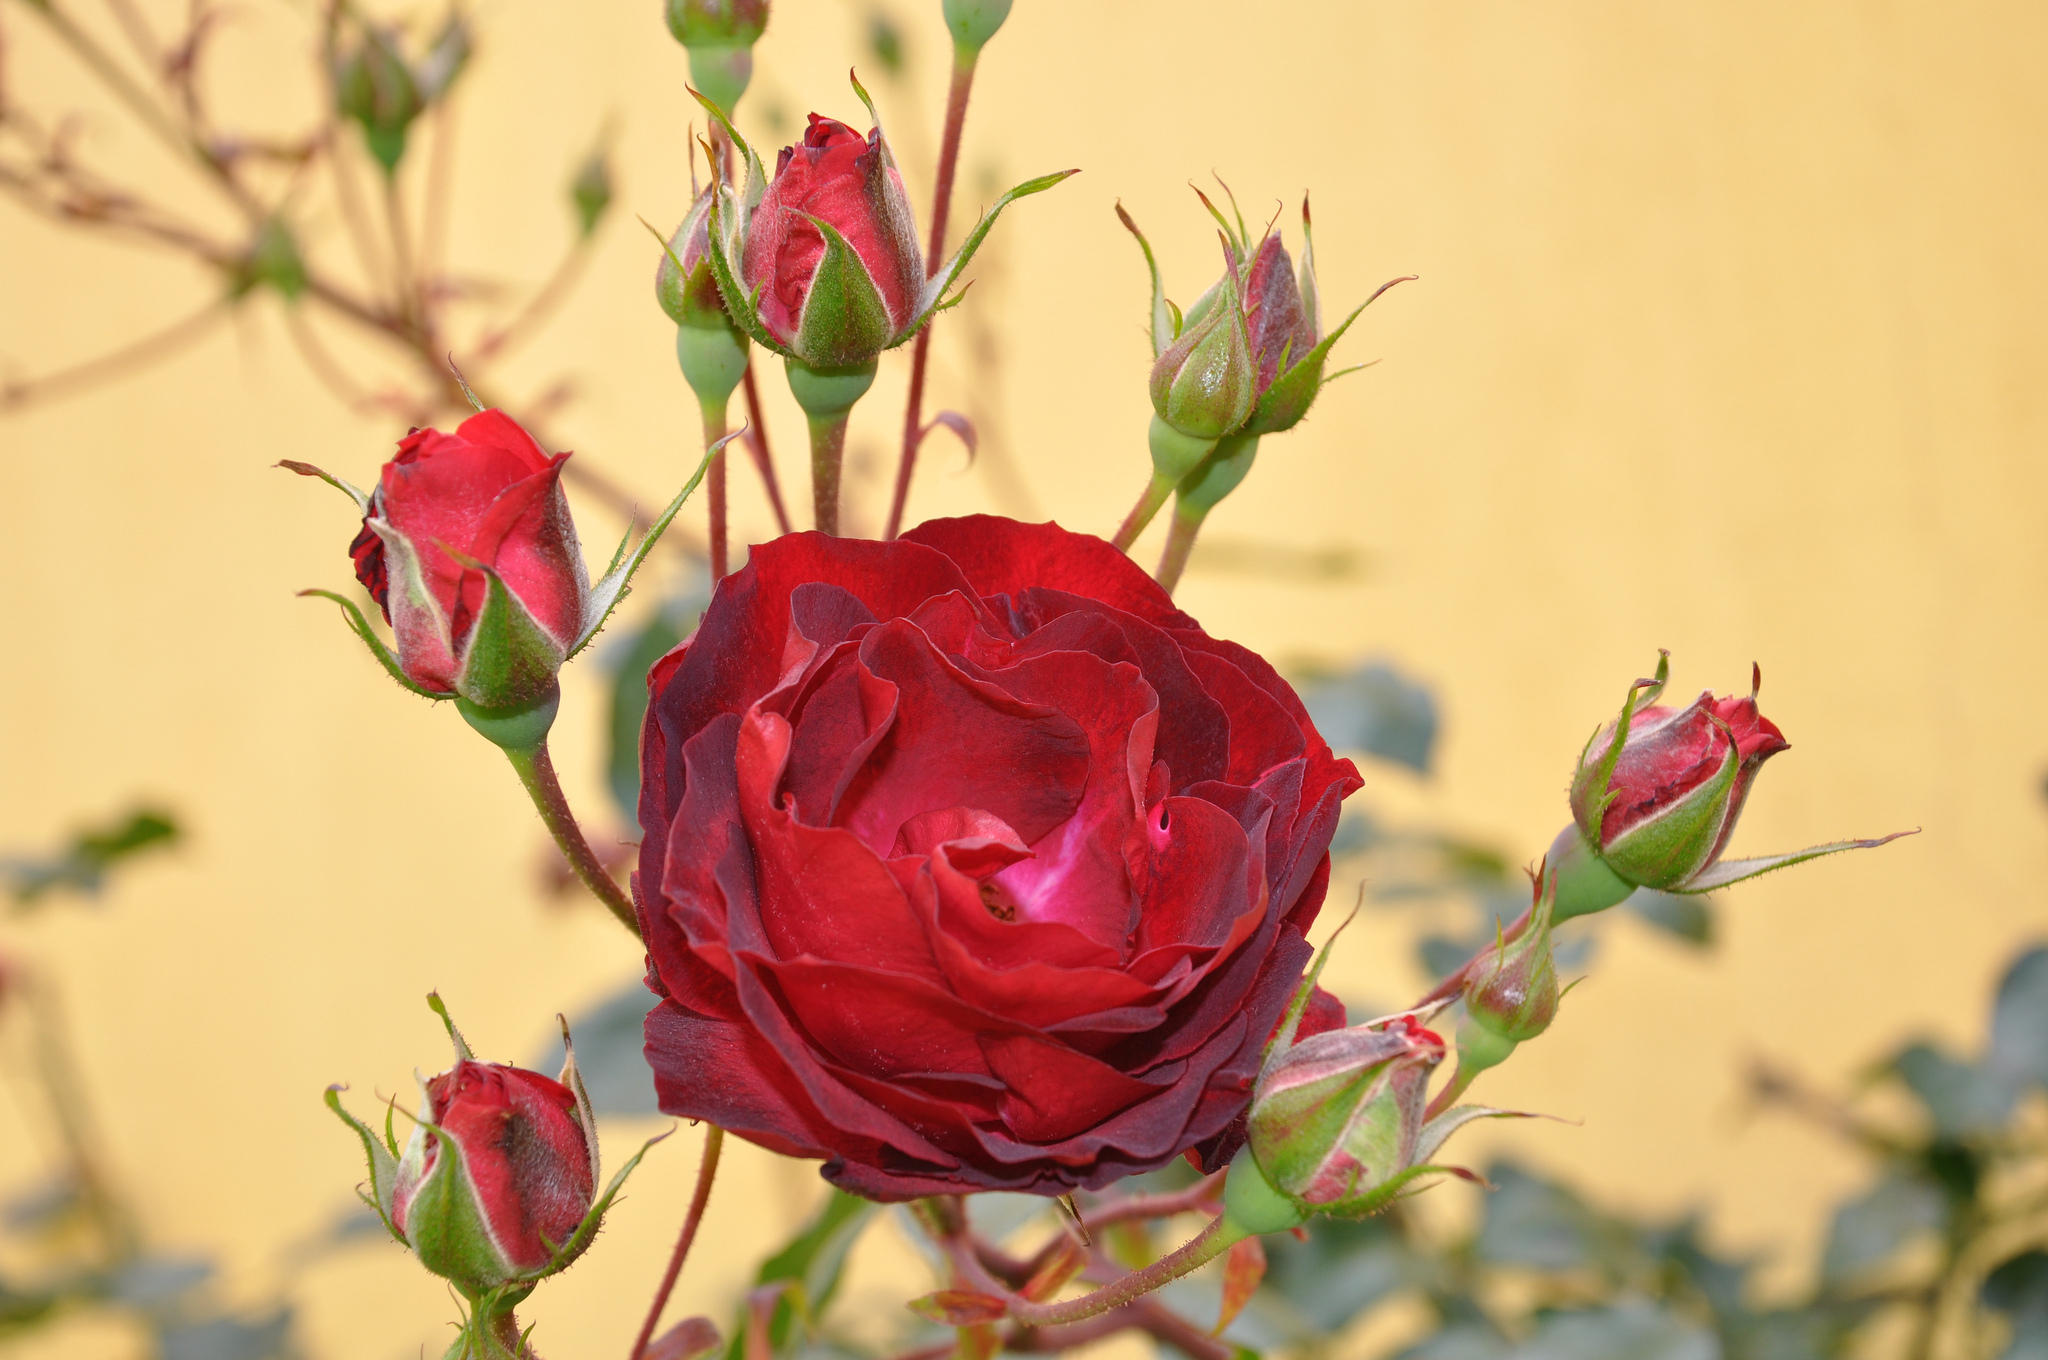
(1202,385)
(1511,988)
(973,22)
(590,192)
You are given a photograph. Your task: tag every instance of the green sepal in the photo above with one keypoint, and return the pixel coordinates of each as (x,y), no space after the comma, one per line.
(439,1007)
(1297,1005)
(510,660)
(1736,870)
(1675,844)
(1311,302)
(1598,798)
(587,1229)
(1165,322)
(572,1077)
(1234,234)
(383,1163)
(726,231)
(349,489)
(614,585)
(874,119)
(1282,405)
(385,657)
(449,1233)
(1438,1130)
(936,286)
(845,320)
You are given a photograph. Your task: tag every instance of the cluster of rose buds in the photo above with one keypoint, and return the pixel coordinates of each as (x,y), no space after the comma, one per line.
(1245,361)
(1341,1122)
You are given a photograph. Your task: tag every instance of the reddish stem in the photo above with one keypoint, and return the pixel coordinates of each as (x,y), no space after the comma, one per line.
(942,204)
(714,1140)
(537,772)
(714,489)
(756,440)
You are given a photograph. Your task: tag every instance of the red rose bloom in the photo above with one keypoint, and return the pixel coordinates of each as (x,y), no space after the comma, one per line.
(846,181)
(971,863)
(486,493)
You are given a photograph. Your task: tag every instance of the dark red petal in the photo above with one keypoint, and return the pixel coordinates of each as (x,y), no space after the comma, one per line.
(1002,557)
(367,551)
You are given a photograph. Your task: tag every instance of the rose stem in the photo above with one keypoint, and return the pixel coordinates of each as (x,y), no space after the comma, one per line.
(1122,1209)
(714,1140)
(1460,1080)
(504,1329)
(1156,492)
(714,485)
(964,61)
(537,772)
(1205,1246)
(828,448)
(1180,541)
(756,440)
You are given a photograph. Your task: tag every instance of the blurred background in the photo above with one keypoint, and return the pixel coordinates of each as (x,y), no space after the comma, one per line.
(1728,339)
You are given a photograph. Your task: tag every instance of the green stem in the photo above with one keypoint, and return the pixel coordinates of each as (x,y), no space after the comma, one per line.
(1155,494)
(537,773)
(828,451)
(1204,1247)
(714,485)
(1180,541)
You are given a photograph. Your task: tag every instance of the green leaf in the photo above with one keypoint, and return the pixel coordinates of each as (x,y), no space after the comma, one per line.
(814,1259)
(2019,1019)
(83,863)
(1869,1231)
(612,587)
(1377,710)
(845,320)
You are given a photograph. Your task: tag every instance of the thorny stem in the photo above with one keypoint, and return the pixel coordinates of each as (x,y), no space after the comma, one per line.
(537,773)
(756,440)
(1122,1209)
(714,487)
(828,451)
(504,1330)
(1155,494)
(942,203)
(1204,1247)
(714,1140)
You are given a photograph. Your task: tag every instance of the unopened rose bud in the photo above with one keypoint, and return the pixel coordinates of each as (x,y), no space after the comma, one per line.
(1336,1118)
(1202,385)
(832,249)
(498,1185)
(1658,793)
(710,348)
(500,1172)
(1511,988)
(468,547)
(374,87)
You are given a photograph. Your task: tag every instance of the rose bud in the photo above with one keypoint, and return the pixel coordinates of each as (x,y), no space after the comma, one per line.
(1657,795)
(720,36)
(821,264)
(971,863)
(711,350)
(498,1185)
(1511,987)
(468,548)
(1201,383)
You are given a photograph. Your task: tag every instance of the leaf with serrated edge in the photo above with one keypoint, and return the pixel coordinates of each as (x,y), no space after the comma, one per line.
(383,1166)
(353,492)
(385,658)
(1736,870)
(463,1052)
(610,588)
(936,286)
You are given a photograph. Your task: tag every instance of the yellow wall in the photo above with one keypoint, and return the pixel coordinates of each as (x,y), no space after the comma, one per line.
(1728,340)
